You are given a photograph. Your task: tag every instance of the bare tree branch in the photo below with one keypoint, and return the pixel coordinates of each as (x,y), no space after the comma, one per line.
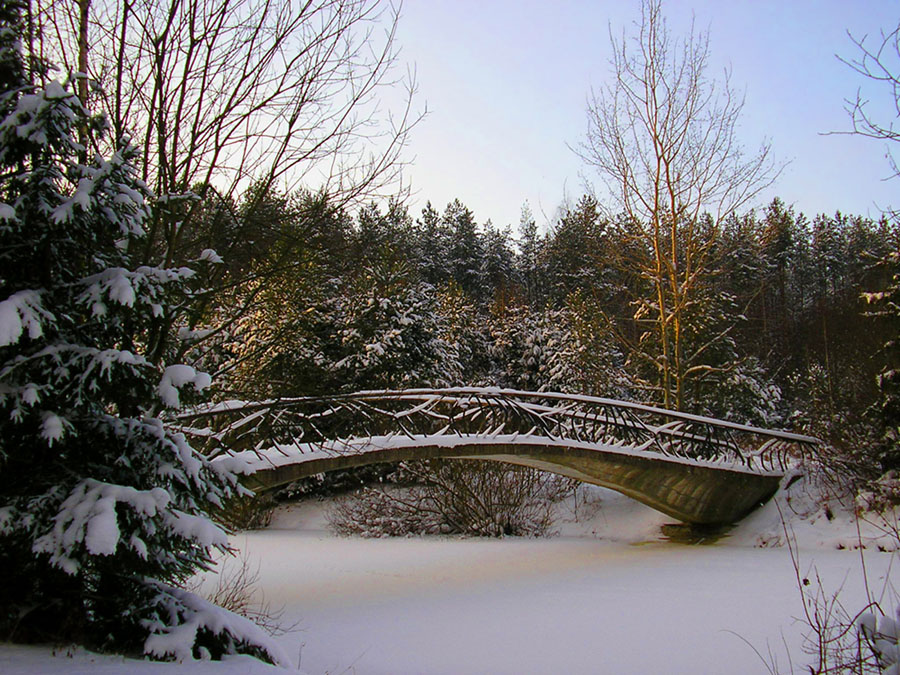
(879,64)
(225,93)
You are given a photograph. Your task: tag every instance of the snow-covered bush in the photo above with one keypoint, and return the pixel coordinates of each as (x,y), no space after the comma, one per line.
(475,498)
(376,329)
(102,508)
(535,351)
(388,335)
(851,459)
(555,350)
(744,393)
(881,637)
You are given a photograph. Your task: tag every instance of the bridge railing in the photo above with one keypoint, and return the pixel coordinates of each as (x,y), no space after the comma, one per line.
(485,413)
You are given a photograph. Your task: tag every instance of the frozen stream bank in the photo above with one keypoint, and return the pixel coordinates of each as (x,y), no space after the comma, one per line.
(606,596)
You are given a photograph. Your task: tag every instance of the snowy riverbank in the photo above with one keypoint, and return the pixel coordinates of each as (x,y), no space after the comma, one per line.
(607,595)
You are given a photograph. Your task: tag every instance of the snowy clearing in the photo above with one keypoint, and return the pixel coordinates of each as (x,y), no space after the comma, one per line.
(608,595)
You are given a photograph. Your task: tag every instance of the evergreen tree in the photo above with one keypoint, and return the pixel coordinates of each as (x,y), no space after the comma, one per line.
(600,362)
(744,271)
(498,266)
(784,291)
(102,507)
(380,329)
(468,330)
(382,236)
(529,265)
(542,351)
(388,334)
(575,251)
(887,303)
(432,247)
(466,250)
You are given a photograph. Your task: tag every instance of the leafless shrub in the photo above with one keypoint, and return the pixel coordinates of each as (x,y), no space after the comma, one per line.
(247,512)
(834,640)
(475,498)
(237,590)
(840,640)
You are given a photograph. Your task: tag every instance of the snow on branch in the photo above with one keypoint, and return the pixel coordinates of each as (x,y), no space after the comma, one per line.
(183,616)
(28,120)
(177,376)
(19,312)
(125,287)
(88,518)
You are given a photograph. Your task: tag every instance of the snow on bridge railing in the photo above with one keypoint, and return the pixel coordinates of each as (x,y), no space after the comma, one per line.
(341,420)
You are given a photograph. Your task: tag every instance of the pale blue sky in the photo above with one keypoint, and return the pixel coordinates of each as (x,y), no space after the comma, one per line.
(506,83)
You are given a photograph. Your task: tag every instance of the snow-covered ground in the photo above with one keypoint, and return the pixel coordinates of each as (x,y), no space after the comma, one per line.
(609,594)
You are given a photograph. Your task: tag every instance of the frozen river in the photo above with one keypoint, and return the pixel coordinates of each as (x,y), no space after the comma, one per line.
(538,606)
(606,596)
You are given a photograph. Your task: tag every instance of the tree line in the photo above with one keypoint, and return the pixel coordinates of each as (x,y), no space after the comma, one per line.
(778,331)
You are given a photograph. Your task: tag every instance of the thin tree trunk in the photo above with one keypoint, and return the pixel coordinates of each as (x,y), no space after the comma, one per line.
(84,13)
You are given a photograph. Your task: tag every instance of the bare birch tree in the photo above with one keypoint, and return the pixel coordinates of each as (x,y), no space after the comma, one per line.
(663,137)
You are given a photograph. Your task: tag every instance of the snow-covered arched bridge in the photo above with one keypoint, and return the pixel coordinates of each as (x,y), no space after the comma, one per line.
(696,469)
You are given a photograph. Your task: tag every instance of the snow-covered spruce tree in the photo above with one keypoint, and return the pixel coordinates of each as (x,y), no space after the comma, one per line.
(384,331)
(887,308)
(102,509)
(540,351)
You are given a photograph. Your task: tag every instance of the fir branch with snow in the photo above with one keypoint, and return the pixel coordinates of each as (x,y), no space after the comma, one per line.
(103,509)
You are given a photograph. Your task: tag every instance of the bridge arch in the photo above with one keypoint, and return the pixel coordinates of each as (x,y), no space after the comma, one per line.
(693,493)
(695,469)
